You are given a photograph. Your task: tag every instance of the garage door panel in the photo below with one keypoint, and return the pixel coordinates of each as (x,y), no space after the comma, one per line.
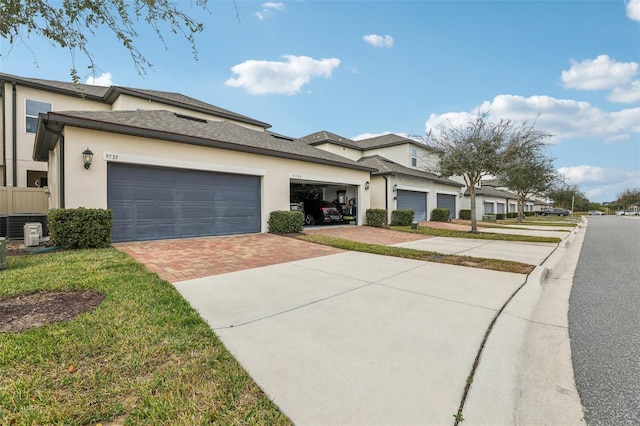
(157,203)
(447,201)
(413,200)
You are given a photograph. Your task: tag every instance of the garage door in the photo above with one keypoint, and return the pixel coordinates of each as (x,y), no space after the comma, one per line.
(488,208)
(151,203)
(412,200)
(446,201)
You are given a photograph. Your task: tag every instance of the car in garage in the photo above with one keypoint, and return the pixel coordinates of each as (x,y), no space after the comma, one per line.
(555,212)
(319,211)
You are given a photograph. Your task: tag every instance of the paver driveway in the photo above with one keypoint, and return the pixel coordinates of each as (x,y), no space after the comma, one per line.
(189,258)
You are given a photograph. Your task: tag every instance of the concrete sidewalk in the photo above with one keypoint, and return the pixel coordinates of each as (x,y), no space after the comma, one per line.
(362,339)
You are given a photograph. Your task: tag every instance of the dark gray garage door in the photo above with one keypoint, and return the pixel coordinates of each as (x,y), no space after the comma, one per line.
(412,200)
(151,203)
(446,201)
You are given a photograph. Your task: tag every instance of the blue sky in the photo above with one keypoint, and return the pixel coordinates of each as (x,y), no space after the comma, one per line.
(359,68)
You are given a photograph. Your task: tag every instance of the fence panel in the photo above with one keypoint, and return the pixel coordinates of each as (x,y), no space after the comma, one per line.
(23,200)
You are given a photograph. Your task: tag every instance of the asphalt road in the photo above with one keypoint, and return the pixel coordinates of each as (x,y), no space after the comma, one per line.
(604,321)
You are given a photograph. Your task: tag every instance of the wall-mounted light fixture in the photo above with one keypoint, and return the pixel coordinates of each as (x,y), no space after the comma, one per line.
(460,195)
(87,158)
(366,185)
(395,187)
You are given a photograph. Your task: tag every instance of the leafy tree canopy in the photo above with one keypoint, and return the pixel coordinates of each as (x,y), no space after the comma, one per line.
(69,23)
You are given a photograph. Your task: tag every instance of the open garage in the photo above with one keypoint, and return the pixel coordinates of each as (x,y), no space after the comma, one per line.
(325,203)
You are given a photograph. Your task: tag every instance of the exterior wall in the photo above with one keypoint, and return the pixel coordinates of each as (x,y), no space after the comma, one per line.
(378,190)
(350,153)
(400,154)
(88,188)
(132,103)
(24,140)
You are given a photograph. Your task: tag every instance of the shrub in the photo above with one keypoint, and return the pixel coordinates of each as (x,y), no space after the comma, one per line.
(376,217)
(80,228)
(529,213)
(500,216)
(401,217)
(440,215)
(465,214)
(512,215)
(285,222)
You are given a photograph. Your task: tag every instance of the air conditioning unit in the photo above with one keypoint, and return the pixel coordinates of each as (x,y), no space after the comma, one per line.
(32,234)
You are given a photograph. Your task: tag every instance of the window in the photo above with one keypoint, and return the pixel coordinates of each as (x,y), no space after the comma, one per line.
(414,157)
(33,108)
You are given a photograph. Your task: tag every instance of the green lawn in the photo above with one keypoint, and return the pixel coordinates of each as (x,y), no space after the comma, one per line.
(142,357)
(474,262)
(425,230)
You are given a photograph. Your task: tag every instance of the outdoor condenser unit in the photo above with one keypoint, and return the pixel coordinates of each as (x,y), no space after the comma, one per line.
(32,234)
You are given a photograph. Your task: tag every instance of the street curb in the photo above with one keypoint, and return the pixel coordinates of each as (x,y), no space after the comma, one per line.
(496,395)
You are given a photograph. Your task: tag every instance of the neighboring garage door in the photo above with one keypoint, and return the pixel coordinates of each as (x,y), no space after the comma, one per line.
(500,208)
(446,201)
(151,203)
(488,208)
(412,200)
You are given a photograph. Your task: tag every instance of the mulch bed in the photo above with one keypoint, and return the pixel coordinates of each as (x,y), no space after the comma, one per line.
(23,312)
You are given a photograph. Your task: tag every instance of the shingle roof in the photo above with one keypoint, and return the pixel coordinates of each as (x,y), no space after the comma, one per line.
(490,191)
(388,167)
(108,95)
(390,139)
(166,125)
(323,136)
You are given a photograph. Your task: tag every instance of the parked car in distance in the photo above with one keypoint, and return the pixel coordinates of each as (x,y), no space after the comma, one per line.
(320,211)
(555,211)
(627,213)
(595,213)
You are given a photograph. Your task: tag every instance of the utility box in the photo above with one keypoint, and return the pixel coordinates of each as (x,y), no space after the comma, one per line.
(32,234)
(489,218)
(3,253)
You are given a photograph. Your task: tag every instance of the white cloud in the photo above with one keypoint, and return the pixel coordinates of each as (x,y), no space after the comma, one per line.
(633,10)
(599,73)
(285,78)
(378,40)
(268,9)
(564,118)
(627,94)
(103,80)
(373,135)
(600,184)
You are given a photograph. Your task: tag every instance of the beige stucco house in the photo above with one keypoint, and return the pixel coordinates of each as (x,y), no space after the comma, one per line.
(402,179)
(168,165)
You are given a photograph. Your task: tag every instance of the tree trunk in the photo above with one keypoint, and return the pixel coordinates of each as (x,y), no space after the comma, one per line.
(474,221)
(521,200)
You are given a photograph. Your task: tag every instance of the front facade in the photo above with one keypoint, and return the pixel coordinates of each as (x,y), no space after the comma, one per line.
(166,175)
(403,180)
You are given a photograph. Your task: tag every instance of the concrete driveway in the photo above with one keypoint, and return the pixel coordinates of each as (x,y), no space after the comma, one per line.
(341,337)
(354,338)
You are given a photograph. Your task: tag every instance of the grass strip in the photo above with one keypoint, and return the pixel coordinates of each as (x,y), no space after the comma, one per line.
(144,356)
(407,253)
(425,230)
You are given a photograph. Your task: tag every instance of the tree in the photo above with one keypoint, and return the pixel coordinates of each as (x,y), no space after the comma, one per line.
(526,170)
(473,151)
(567,196)
(628,198)
(67,24)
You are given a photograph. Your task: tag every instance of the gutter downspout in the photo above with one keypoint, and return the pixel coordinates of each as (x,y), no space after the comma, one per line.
(4,134)
(15,136)
(61,170)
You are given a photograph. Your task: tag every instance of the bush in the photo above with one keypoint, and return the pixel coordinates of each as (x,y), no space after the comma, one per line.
(285,222)
(401,217)
(440,215)
(465,214)
(512,215)
(500,216)
(80,228)
(529,213)
(376,217)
